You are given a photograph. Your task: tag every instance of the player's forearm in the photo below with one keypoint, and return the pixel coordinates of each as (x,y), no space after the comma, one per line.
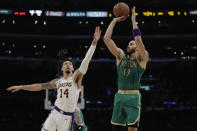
(33,87)
(78,119)
(138,39)
(135,26)
(84,64)
(109,30)
(90,53)
(137,36)
(139,43)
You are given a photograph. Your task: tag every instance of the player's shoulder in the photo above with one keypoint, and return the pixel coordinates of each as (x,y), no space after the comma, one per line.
(59,78)
(63,79)
(120,55)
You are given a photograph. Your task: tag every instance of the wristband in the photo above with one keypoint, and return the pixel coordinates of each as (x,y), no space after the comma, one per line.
(136,32)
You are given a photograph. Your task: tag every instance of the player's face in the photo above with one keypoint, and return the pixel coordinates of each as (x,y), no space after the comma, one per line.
(67,67)
(131,47)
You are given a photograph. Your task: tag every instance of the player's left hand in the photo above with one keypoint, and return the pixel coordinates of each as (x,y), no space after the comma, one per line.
(119,19)
(133,16)
(14,88)
(97,34)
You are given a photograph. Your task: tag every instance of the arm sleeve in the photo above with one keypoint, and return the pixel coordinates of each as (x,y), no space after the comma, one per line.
(84,64)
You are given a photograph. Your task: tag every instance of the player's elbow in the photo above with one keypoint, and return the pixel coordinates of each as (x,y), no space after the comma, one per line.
(39,89)
(106,39)
(147,55)
(144,55)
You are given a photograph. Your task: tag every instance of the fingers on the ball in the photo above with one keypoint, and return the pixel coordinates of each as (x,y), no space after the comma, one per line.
(122,17)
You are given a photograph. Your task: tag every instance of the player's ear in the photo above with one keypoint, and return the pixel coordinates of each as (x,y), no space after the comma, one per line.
(62,68)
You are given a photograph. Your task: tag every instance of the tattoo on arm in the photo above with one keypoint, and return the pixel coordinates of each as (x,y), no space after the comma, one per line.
(49,85)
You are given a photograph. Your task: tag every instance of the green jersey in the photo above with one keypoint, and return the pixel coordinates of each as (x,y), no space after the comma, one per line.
(129,74)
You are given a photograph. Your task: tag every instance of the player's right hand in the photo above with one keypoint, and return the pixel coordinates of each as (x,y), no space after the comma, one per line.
(97,34)
(118,19)
(14,88)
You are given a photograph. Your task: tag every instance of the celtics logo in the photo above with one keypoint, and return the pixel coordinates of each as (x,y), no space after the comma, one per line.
(126,72)
(127,65)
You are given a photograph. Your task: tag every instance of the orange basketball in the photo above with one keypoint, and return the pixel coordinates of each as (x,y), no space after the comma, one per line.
(121,9)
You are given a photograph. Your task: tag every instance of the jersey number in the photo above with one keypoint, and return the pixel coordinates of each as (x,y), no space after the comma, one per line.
(65,93)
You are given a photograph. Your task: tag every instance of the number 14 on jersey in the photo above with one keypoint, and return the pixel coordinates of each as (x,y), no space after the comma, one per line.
(62,92)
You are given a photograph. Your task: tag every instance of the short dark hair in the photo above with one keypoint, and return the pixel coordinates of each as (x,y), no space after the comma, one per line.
(61,62)
(68,59)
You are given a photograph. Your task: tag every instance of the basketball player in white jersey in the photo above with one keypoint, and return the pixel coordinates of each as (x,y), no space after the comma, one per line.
(68,87)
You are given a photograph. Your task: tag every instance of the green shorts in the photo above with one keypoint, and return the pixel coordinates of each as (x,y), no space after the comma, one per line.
(127,109)
(74,128)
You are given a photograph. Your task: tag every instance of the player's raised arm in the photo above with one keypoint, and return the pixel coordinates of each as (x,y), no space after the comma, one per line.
(117,52)
(34,87)
(78,75)
(143,54)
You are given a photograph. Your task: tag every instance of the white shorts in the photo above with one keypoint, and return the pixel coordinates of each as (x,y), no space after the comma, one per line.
(57,121)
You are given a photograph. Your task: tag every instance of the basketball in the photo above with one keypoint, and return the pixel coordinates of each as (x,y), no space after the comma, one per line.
(121,9)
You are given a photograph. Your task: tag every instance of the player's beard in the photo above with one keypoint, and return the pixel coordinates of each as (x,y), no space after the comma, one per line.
(131,52)
(67,72)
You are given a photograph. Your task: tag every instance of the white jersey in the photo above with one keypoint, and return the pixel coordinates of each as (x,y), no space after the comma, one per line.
(67,94)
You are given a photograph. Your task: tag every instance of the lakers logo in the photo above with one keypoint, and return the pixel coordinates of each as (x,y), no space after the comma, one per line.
(67,84)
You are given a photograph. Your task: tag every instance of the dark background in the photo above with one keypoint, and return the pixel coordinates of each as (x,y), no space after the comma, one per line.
(97,5)
(31,53)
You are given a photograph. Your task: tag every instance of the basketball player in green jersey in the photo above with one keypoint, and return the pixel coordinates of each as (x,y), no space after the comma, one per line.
(130,67)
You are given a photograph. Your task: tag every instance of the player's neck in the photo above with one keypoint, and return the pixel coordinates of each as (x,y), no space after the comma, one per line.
(132,55)
(66,75)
